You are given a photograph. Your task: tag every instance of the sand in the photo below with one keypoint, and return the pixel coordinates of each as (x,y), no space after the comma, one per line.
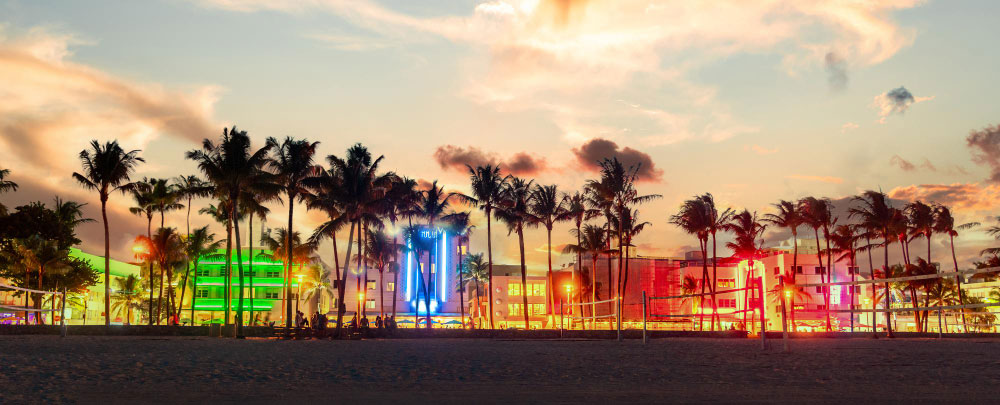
(177,369)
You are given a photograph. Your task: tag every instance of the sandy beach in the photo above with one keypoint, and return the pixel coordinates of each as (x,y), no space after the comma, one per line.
(178,369)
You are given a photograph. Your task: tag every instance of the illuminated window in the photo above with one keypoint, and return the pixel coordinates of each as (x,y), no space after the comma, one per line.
(536,309)
(727,282)
(727,303)
(390,286)
(514,289)
(515,309)
(200,293)
(819,289)
(271,273)
(370,303)
(202,272)
(371,284)
(821,307)
(271,294)
(536,289)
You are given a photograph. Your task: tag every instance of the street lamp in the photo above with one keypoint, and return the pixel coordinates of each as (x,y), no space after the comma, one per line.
(361,304)
(569,298)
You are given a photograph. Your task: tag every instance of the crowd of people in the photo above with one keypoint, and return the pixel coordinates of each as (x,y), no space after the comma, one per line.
(318,322)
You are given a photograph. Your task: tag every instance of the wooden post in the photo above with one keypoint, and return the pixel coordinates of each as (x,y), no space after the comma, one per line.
(940,329)
(562,319)
(760,304)
(645,339)
(62,314)
(618,309)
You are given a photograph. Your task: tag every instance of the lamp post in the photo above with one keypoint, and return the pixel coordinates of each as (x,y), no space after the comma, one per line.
(298,294)
(569,298)
(362,305)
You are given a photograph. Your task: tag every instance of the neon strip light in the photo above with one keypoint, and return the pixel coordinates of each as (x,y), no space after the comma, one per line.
(254,263)
(409,270)
(444,267)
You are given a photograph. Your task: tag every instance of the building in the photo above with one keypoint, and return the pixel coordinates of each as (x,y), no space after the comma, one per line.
(508,300)
(263,291)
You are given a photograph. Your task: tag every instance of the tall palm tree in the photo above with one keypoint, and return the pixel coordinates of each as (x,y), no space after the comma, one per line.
(876,214)
(144,206)
(128,295)
(694,218)
(921,219)
(201,243)
(817,213)
(188,188)
(844,238)
(593,241)
(747,232)
(164,197)
(326,197)
(600,197)
(167,250)
(292,162)
(577,210)
(253,207)
(633,226)
(106,169)
(515,213)
(360,189)
(546,208)
(460,226)
(789,217)
(944,222)
(619,184)
(234,168)
(220,213)
(277,241)
(317,284)
(487,193)
(432,208)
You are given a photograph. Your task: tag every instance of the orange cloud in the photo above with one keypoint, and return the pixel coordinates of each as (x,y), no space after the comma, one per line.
(959,196)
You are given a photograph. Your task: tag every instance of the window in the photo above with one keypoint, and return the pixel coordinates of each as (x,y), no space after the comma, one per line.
(727,303)
(271,294)
(819,289)
(515,309)
(536,289)
(370,303)
(201,293)
(513,289)
(821,307)
(854,270)
(248,273)
(202,273)
(777,270)
(798,269)
(820,270)
(273,273)
(536,309)
(371,284)
(857,289)
(727,282)
(390,286)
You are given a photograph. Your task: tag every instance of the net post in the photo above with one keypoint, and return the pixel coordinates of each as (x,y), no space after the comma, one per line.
(562,319)
(940,330)
(784,314)
(760,305)
(618,310)
(645,339)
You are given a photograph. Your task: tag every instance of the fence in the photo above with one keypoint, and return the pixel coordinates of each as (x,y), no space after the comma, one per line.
(614,316)
(25,309)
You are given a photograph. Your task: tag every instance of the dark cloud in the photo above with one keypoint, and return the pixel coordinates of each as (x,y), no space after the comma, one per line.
(901,97)
(836,70)
(985,148)
(451,157)
(590,154)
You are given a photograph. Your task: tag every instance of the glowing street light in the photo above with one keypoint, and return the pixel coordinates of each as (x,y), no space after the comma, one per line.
(298,296)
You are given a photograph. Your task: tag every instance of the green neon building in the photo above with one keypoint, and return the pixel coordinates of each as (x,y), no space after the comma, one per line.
(264,287)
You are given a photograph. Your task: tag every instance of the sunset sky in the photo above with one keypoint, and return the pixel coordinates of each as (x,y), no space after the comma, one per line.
(753,101)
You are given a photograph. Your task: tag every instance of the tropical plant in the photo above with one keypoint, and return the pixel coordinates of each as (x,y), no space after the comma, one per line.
(788,217)
(5,186)
(818,214)
(460,225)
(201,243)
(694,218)
(128,295)
(167,250)
(515,213)
(379,251)
(593,241)
(546,208)
(876,215)
(107,169)
(487,193)
(474,269)
(944,222)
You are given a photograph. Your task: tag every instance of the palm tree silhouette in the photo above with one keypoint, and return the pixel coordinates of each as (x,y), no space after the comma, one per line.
(593,241)
(460,226)
(545,207)
(476,270)
(292,162)
(817,213)
(379,252)
(5,186)
(128,295)
(876,215)
(694,218)
(514,212)
(200,243)
(487,193)
(107,169)
(747,231)
(944,222)
(577,210)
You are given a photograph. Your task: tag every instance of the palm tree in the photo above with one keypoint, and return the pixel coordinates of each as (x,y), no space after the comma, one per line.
(844,239)
(474,269)
(633,226)
(326,197)
(747,231)
(106,169)
(943,294)
(694,219)
(944,222)
(593,241)
(577,210)
(317,284)
(144,206)
(189,187)
(460,225)
(546,208)
(220,213)
(5,186)
(433,204)
(128,295)
(515,213)
(416,245)
(167,250)
(487,192)
(379,251)
(199,244)
(164,197)
(278,243)
(817,213)
(360,189)
(292,162)
(253,207)
(234,168)
(921,219)
(788,216)
(876,215)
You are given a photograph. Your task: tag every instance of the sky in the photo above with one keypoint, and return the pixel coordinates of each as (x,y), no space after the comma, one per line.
(752,101)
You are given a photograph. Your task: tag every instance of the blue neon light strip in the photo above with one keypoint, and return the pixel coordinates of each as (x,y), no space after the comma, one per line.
(409,271)
(444,267)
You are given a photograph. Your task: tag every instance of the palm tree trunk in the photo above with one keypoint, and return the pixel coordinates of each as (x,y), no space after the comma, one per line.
(704,282)
(194,290)
(239,265)
(343,283)
(428,286)
(461,282)
(250,265)
(888,315)
(552,289)
(107,265)
(524,277)
(593,291)
(489,253)
(871,270)
(227,289)
(958,280)
(715,285)
(381,292)
(795,271)
(288,259)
